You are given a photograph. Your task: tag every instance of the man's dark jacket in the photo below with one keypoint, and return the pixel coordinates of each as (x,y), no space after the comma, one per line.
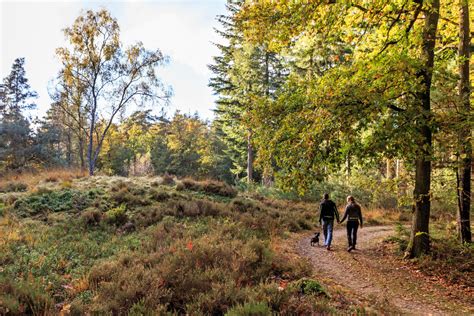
(327,211)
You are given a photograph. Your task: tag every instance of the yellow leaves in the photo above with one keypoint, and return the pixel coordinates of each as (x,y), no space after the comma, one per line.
(66,310)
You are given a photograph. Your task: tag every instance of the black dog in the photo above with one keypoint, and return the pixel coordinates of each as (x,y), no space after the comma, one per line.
(315,239)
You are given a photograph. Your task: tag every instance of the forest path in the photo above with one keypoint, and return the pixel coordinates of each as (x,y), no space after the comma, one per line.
(370,277)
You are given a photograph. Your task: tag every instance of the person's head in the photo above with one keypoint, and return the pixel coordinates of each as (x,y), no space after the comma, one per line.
(326,196)
(350,199)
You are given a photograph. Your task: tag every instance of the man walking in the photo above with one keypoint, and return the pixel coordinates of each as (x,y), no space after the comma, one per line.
(328,211)
(354,216)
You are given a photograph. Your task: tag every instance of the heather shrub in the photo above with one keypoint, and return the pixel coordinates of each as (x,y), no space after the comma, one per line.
(208,186)
(179,253)
(23,297)
(13,187)
(167,179)
(243,205)
(51,179)
(311,287)
(117,216)
(147,216)
(250,309)
(216,271)
(192,208)
(54,201)
(159,196)
(131,196)
(91,217)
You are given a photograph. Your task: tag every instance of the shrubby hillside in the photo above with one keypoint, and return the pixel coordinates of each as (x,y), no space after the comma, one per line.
(152,245)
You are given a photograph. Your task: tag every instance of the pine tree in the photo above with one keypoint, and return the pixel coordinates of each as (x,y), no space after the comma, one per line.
(15,143)
(243,74)
(17,92)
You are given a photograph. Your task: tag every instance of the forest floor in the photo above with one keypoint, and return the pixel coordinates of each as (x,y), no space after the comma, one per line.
(374,277)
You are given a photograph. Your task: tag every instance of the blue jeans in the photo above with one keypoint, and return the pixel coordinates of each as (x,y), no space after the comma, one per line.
(327,230)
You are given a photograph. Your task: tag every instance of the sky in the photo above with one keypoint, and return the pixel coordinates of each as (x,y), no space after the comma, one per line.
(181,29)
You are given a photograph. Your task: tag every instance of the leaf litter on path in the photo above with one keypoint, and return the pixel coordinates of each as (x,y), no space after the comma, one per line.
(380,280)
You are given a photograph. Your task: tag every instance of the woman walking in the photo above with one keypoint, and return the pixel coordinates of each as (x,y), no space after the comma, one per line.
(353,214)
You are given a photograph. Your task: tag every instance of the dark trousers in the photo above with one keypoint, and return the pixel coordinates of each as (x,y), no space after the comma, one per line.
(352,227)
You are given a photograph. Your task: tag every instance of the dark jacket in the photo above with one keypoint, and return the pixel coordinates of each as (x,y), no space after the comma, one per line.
(328,210)
(353,213)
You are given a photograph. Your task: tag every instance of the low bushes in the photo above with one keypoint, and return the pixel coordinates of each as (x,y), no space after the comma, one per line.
(91,217)
(54,201)
(159,196)
(108,252)
(24,297)
(208,186)
(250,309)
(123,193)
(195,271)
(13,187)
(193,208)
(117,216)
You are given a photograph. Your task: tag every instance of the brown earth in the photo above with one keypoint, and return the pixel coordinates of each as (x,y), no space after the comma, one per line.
(380,281)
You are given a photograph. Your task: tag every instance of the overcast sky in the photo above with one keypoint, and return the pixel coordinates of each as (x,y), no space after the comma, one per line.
(182,29)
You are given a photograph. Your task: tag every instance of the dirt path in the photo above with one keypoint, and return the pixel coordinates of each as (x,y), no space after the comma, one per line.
(382,282)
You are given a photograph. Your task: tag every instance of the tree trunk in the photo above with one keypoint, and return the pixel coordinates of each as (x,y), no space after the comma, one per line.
(69,149)
(420,239)
(389,173)
(464,170)
(81,153)
(250,157)
(90,155)
(348,166)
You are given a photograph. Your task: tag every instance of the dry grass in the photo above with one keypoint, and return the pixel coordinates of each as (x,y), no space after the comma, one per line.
(378,216)
(32,179)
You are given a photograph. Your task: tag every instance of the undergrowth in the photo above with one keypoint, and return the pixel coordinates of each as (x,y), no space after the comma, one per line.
(138,247)
(447,259)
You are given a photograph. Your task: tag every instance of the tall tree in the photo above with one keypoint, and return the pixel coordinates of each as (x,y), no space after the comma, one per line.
(420,239)
(16,96)
(17,93)
(465,132)
(375,102)
(70,112)
(243,73)
(112,77)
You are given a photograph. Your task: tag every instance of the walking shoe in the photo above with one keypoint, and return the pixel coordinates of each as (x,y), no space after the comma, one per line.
(350,248)
(328,248)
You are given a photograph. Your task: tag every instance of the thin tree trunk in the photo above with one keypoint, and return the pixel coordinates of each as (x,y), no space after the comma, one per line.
(69,149)
(348,166)
(250,157)
(81,153)
(389,173)
(90,155)
(397,168)
(420,240)
(464,170)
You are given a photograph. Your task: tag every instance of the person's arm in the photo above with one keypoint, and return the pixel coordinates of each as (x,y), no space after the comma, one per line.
(360,216)
(345,215)
(320,214)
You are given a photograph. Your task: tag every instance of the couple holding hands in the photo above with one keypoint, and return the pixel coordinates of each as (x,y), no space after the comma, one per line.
(328,211)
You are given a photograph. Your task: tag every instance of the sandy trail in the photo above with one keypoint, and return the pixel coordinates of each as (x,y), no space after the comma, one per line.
(383,283)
